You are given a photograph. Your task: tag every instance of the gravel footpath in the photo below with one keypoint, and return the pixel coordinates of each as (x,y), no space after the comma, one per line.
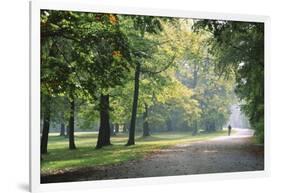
(223,154)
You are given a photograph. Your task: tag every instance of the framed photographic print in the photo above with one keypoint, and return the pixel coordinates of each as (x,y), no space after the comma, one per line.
(124,96)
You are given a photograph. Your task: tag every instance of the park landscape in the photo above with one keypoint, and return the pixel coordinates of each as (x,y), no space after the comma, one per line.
(129,96)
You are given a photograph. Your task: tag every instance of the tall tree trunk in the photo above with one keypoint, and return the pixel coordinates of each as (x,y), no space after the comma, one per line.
(146,130)
(104,130)
(131,140)
(46,127)
(71,123)
(169,124)
(62,129)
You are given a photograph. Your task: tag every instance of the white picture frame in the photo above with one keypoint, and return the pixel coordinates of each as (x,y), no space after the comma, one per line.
(36,6)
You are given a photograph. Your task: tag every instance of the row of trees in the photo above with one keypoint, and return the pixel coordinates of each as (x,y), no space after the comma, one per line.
(239,47)
(118,70)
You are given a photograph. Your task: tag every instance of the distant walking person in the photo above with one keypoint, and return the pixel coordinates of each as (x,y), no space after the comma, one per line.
(229,130)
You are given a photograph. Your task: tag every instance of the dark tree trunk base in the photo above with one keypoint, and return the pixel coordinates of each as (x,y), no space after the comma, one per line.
(46,128)
(104,130)
(71,124)
(99,147)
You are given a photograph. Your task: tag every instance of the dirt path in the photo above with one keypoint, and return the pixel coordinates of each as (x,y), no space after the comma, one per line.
(223,154)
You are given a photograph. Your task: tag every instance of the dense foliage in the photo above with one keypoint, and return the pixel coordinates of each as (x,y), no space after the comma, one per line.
(239,47)
(146,74)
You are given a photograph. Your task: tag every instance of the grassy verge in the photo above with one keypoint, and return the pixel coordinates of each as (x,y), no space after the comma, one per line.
(60,159)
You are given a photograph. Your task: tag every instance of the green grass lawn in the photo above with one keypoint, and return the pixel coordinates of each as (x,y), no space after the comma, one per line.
(60,159)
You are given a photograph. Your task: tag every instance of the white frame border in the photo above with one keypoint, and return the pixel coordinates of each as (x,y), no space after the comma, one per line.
(34,99)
